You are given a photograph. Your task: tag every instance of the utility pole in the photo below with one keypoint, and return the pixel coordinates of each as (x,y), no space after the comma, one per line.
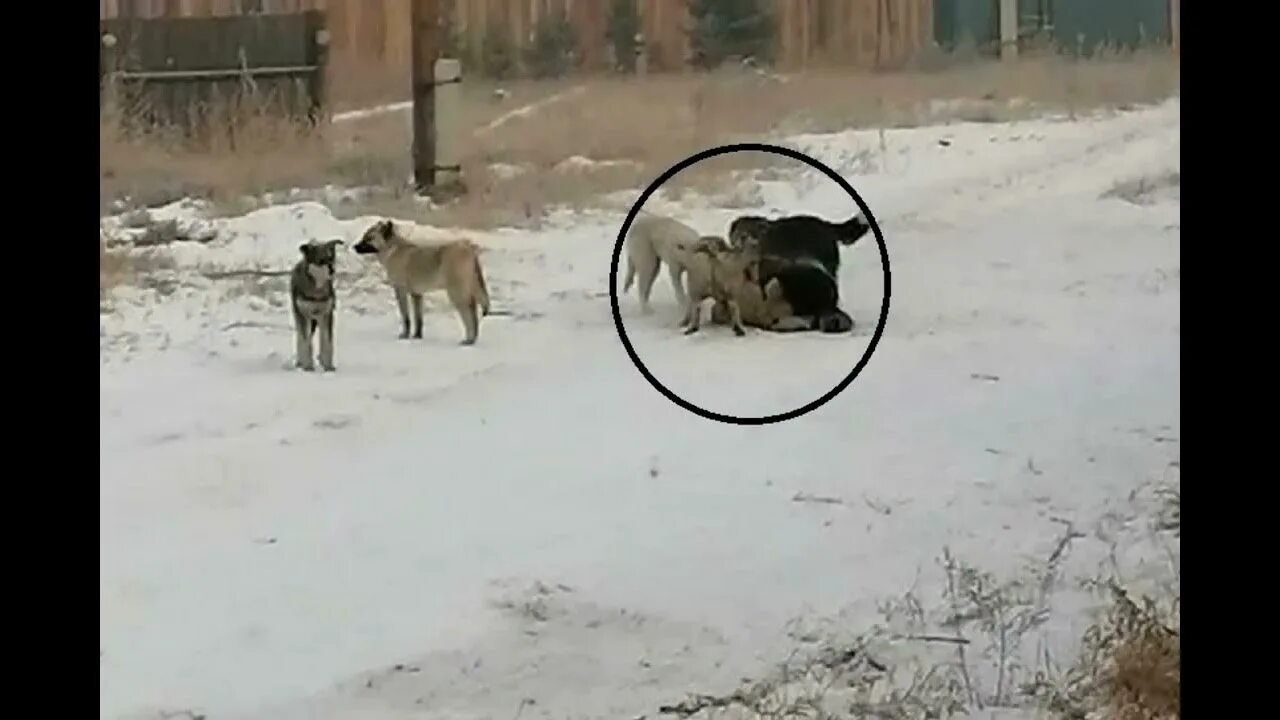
(424,32)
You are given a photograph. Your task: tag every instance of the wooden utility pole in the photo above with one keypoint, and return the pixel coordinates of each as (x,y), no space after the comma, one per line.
(424,32)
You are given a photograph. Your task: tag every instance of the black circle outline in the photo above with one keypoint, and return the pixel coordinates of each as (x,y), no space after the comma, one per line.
(617,254)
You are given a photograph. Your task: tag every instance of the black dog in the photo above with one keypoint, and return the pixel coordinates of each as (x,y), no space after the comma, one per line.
(803,253)
(810,290)
(798,236)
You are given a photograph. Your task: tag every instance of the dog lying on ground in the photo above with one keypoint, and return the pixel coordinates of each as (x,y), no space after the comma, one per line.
(809,290)
(416,264)
(802,253)
(314,302)
(798,236)
(651,241)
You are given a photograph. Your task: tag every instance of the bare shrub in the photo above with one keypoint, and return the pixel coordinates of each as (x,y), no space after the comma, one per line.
(966,654)
(1130,664)
(113,268)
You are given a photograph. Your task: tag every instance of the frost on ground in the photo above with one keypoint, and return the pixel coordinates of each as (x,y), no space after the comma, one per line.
(526,528)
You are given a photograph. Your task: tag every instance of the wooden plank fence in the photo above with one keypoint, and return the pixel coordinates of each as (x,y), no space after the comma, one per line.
(171,69)
(858,33)
(373,34)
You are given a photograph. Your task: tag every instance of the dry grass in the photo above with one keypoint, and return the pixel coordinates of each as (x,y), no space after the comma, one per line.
(1130,666)
(118,267)
(650,123)
(1142,679)
(113,268)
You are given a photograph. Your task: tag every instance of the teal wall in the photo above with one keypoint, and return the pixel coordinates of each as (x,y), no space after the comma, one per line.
(1120,22)
(1076,23)
(971,22)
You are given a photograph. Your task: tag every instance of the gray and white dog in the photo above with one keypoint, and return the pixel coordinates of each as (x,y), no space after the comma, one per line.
(314,301)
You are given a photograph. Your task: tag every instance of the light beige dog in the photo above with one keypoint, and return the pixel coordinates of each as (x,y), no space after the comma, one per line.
(417,264)
(651,241)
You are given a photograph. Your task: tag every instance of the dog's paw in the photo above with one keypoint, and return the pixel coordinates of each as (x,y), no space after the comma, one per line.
(329,368)
(739,331)
(691,331)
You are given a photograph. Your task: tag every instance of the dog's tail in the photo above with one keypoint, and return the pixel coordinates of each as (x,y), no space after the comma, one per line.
(482,289)
(852,230)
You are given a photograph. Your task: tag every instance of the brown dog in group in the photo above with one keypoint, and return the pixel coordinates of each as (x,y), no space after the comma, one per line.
(715,272)
(731,276)
(416,263)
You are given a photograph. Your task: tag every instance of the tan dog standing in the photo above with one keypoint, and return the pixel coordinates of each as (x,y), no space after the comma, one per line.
(651,241)
(417,264)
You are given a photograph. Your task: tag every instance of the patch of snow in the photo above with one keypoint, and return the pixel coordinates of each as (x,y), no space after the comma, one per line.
(579,163)
(507,171)
(374,111)
(527,110)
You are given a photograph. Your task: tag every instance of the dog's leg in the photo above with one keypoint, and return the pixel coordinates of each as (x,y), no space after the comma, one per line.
(326,340)
(482,290)
(466,307)
(630,275)
(648,274)
(302,341)
(417,315)
(685,314)
(735,314)
(674,271)
(402,301)
(693,318)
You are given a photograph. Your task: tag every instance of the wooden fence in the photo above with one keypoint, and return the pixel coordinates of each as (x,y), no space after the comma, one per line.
(373,34)
(168,68)
(858,33)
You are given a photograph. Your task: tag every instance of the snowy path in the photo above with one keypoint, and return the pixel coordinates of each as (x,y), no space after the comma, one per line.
(269,537)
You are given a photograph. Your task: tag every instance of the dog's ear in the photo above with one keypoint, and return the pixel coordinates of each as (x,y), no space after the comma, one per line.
(773,289)
(335,242)
(305,249)
(385,228)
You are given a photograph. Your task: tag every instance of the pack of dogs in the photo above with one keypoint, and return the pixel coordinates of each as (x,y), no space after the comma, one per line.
(773,274)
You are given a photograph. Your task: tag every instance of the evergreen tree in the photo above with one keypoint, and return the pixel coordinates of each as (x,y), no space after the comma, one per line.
(555,48)
(730,28)
(497,54)
(624,25)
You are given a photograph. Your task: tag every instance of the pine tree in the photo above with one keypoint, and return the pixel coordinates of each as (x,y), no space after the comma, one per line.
(624,25)
(554,49)
(730,28)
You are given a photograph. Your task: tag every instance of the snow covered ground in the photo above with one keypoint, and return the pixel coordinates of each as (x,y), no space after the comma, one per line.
(527,526)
